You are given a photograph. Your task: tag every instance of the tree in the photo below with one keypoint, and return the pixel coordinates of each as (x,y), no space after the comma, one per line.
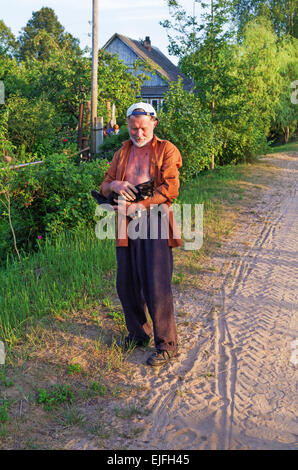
(285,122)
(184,122)
(8,44)
(205,55)
(34,41)
(281,13)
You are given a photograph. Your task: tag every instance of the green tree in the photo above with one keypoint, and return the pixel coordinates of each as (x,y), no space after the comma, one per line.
(184,122)
(206,55)
(285,122)
(34,41)
(8,43)
(282,14)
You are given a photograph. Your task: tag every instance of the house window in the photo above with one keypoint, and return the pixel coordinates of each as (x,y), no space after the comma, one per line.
(155,102)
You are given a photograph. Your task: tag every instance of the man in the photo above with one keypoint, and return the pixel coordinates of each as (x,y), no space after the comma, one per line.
(145,264)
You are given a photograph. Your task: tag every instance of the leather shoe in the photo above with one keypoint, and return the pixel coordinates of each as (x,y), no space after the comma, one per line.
(159,358)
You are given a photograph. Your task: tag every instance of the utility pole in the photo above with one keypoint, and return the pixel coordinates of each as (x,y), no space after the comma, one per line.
(94,91)
(212,71)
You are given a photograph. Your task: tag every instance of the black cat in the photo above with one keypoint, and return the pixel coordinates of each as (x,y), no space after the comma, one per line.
(145,190)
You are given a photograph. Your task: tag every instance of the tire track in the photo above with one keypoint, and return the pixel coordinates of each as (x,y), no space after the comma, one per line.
(247,353)
(250,402)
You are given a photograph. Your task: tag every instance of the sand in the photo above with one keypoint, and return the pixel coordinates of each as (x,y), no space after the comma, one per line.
(234,385)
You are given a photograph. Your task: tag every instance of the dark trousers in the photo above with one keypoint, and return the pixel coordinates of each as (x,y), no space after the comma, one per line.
(144,273)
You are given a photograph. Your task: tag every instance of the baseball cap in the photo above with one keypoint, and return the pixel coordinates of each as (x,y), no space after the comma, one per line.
(148,110)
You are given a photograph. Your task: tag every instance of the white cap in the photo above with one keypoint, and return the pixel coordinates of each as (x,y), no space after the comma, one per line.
(148,110)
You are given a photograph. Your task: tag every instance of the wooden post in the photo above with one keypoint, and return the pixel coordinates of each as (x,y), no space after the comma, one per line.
(80,125)
(99,132)
(94,88)
(113,119)
(108,104)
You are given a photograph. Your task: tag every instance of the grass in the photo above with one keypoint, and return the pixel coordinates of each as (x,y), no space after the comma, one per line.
(58,395)
(67,273)
(290,147)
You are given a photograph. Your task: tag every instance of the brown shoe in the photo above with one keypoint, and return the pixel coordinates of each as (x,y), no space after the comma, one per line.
(159,358)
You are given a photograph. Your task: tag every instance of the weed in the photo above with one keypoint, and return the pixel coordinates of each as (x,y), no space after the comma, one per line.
(118,319)
(106,302)
(100,431)
(60,394)
(3,431)
(98,388)
(74,369)
(72,417)
(3,411)
(129,412)
(3,379)
(178,278)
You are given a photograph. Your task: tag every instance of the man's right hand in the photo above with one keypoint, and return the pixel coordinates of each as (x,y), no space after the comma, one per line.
(124,188)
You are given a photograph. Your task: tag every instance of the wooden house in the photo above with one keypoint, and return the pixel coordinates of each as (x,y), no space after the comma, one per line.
(153,90)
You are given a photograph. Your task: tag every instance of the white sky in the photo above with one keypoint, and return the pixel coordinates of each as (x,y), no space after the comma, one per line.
(133,18)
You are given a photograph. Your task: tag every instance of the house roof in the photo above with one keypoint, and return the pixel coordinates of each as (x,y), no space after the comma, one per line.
(156,59)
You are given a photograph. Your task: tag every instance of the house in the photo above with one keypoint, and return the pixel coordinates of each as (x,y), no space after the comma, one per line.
(152,91)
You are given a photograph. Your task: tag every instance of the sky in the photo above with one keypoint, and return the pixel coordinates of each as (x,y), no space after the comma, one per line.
(133,18)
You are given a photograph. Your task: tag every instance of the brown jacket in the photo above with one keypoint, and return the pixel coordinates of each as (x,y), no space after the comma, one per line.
(165,161)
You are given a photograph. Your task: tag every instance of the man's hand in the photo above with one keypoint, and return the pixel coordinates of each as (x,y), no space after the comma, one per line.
(121,206)
(124,188)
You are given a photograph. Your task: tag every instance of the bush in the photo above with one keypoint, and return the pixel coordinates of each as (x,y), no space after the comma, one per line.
(188,126)
(50,198)
(112,144)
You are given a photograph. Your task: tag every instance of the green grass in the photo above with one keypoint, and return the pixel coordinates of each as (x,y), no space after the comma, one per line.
(58,395)
(65,274)
(290,147)
(213,187)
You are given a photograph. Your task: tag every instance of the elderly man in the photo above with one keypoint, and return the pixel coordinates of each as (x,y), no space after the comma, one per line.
(145,264)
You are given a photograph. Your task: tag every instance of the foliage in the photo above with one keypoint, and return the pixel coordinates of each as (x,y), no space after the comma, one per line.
(50,198)
(30,121)
(34,44)
(244,86)
(112,143)
(8,42)
(285,121)
(187,125)
(43,97)
(282,14)
(58,395)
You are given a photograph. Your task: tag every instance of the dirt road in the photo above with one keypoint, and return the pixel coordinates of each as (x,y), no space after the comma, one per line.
(233,386)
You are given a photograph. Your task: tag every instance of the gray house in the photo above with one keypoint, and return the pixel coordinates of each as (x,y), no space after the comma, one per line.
(152,91)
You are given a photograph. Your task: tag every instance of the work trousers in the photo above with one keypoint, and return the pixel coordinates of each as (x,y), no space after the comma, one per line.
(144,273)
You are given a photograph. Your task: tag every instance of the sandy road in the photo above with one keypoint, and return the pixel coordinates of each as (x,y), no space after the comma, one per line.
(234,386)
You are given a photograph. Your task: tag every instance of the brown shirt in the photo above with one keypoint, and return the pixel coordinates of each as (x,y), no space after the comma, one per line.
(164,163)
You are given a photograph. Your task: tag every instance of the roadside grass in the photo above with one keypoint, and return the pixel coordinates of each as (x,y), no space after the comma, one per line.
(73,271)
(290,147)
(60,318)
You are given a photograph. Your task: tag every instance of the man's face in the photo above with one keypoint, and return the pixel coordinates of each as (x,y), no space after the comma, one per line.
(141,129)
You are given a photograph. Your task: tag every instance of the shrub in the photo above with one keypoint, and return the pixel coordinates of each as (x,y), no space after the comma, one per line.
(50,198)
(188,126)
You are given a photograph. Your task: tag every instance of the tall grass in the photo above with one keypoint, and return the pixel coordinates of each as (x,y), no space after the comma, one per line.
(65,274)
